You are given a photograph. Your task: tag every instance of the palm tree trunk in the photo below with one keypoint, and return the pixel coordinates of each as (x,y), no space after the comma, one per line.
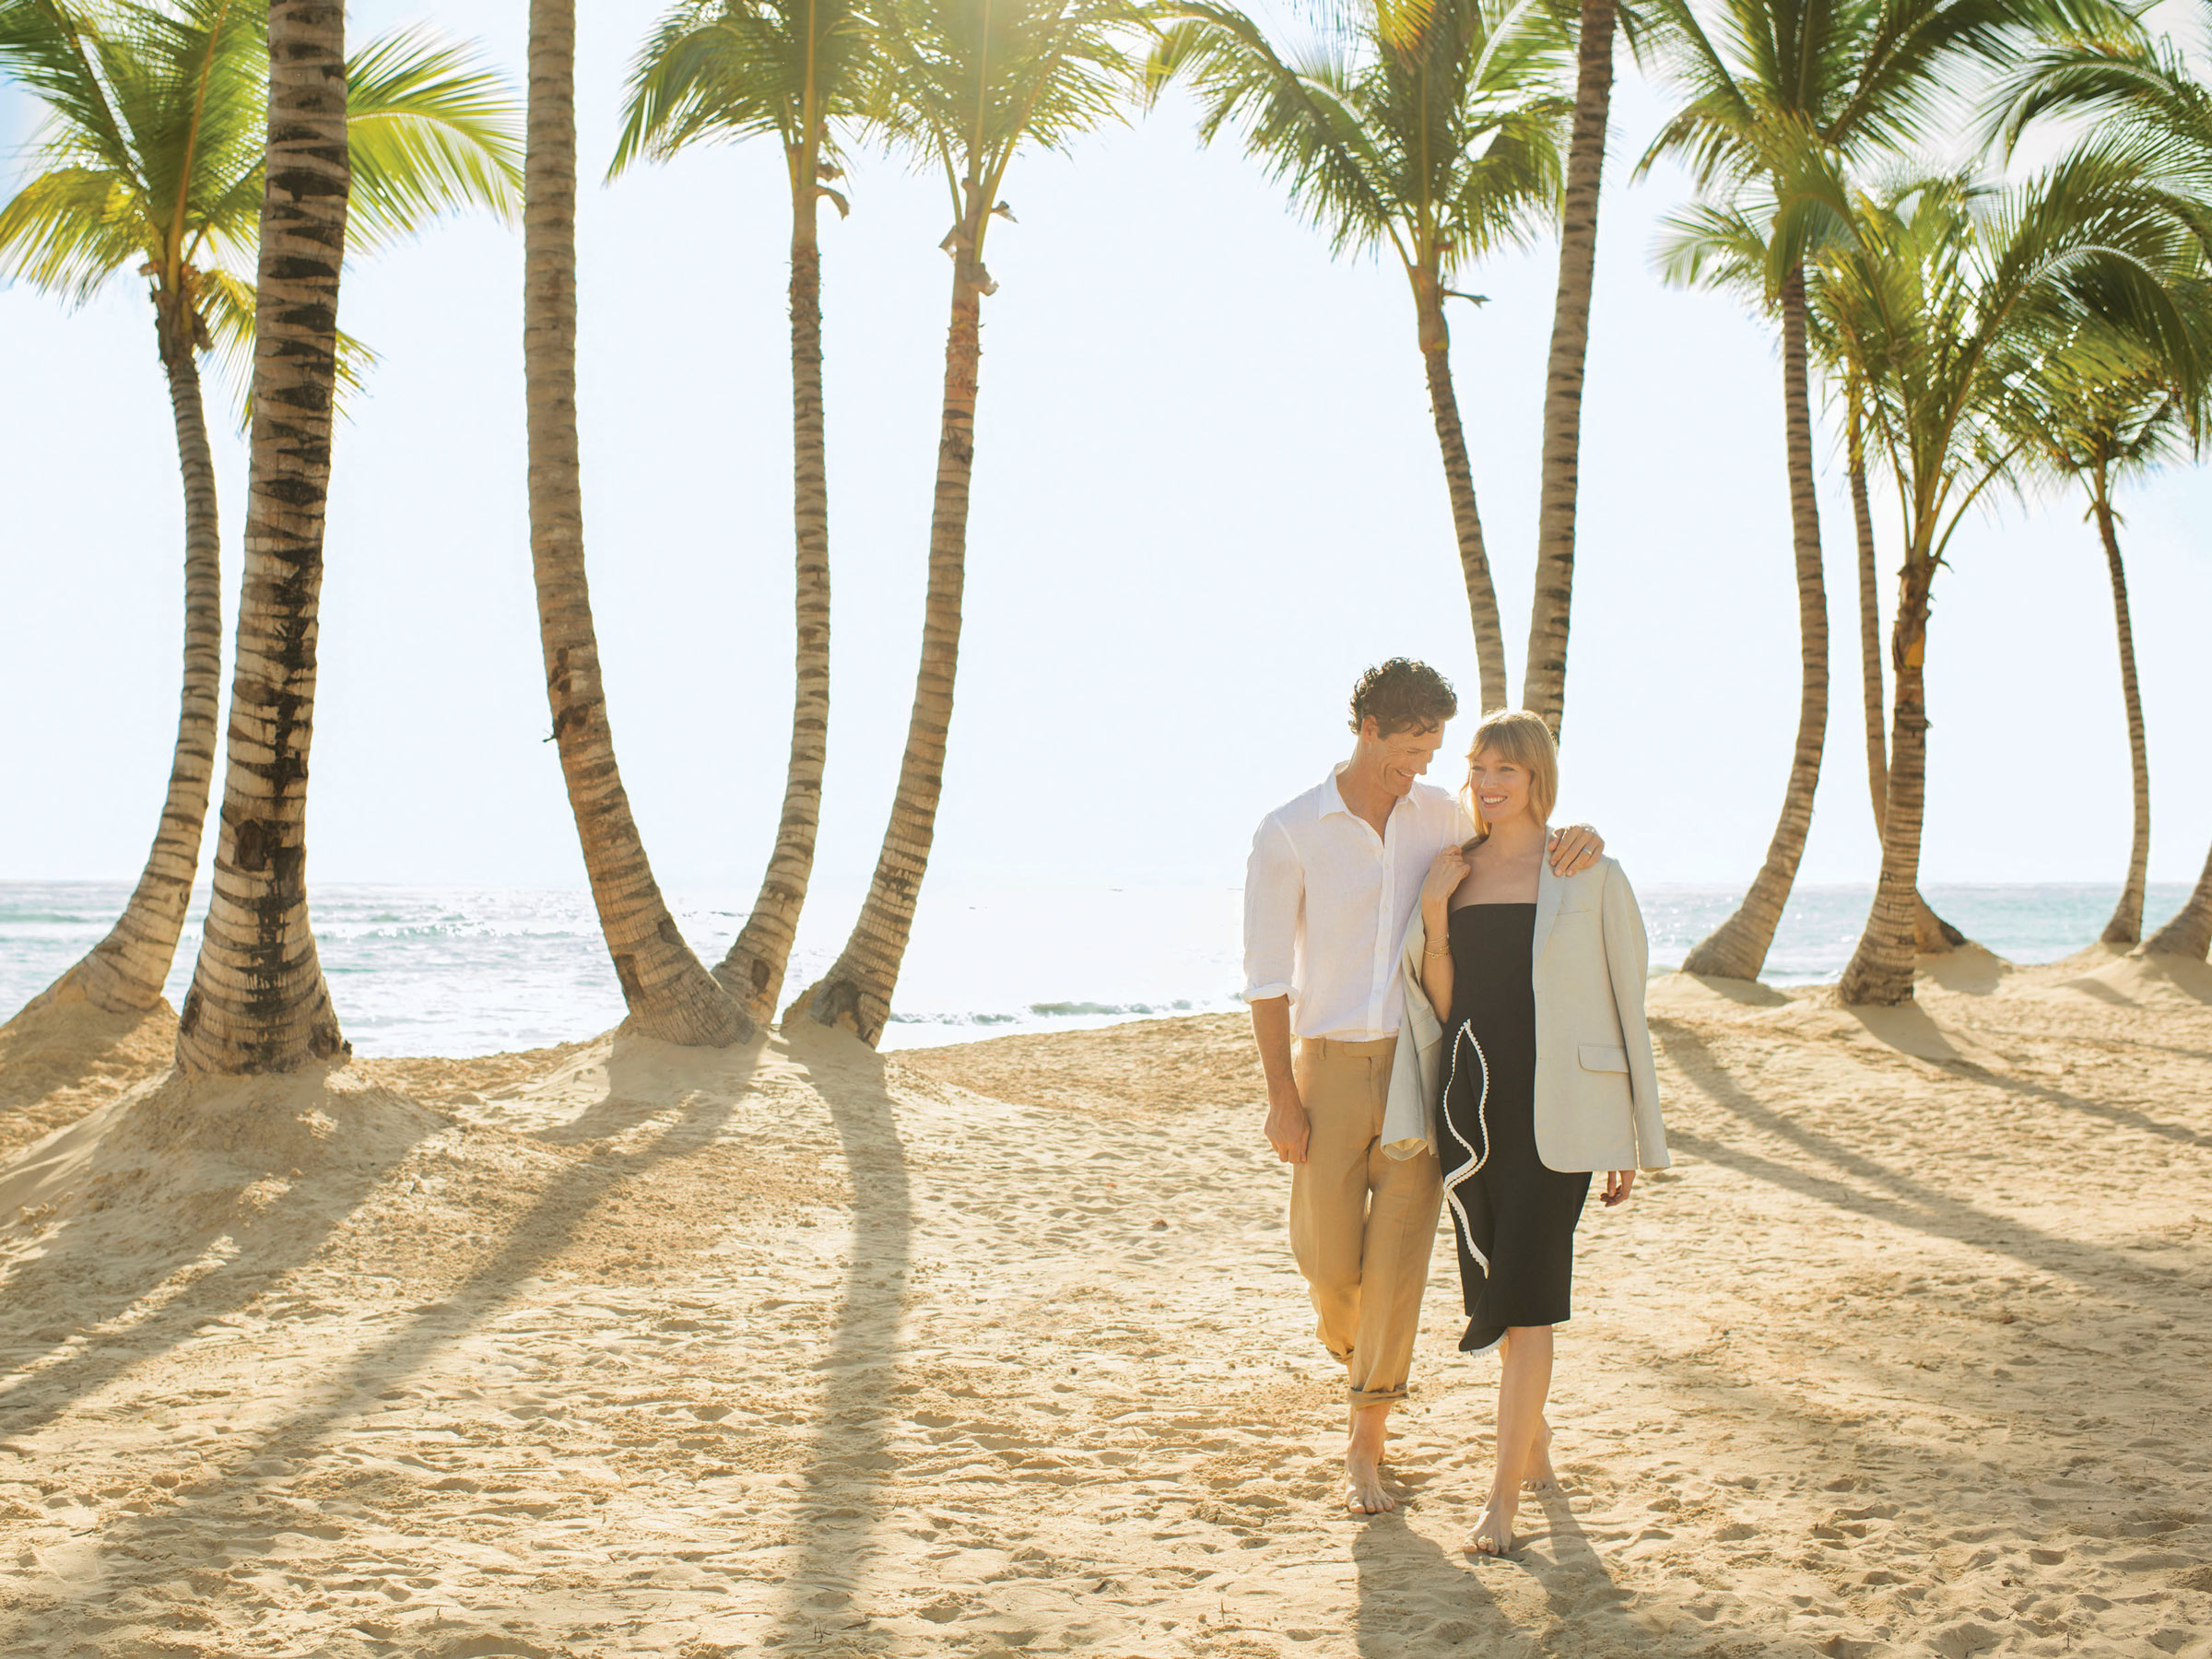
(1543,675)
(1872,699)
(2189,933)
(1880,970)
(1737,949)
(855,994)
(123,973)
(258,1002)
(1932,936)
(2126,925)
(670,994)
(753,970)
(1459,480)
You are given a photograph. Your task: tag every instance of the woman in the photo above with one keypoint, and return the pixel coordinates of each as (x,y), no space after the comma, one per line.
(1539,1072)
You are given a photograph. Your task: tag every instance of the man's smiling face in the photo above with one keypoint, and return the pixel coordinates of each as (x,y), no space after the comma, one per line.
(1404,755)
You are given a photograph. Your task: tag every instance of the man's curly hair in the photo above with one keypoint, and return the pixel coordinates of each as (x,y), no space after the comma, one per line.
(1403,696)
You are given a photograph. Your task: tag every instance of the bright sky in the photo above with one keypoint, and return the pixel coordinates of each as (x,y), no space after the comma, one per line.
(1207,495)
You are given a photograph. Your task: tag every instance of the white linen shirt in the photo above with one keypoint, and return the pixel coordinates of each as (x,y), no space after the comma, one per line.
(1327,901)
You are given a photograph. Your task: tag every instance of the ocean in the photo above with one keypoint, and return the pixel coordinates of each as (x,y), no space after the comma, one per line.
(476,970)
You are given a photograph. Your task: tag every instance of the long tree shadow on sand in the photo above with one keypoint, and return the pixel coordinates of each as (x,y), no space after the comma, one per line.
(1898,1199)
(182,1204)
(223,1511)
(839,1503)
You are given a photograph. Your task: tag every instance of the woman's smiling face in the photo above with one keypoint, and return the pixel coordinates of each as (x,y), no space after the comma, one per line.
(1500,786)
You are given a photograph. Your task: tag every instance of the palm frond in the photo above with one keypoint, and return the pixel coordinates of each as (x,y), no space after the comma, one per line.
(69,231)
(430,130)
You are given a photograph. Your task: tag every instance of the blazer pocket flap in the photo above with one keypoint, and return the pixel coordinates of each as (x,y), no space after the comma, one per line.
(1604,1056)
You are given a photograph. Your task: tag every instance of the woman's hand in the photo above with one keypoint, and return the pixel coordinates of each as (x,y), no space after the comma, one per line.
(1618,1185)
(1445,872)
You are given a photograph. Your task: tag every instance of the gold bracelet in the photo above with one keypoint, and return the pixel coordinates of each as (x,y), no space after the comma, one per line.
(1445,952)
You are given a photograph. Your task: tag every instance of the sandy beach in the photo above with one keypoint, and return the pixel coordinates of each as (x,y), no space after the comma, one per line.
(619,1349)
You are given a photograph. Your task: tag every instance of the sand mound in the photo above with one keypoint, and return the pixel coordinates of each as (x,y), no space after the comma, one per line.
(59,1060)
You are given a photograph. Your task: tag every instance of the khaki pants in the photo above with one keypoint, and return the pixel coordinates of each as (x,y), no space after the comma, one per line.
(1362,1225)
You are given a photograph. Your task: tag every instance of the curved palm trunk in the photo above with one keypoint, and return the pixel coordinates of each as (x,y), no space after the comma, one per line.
(123,973)
(753,970)
(1543,675)
(258,1002)
(1932,936)
(670,994)
(855,994)
(2126,925)
(1737,949)
(1459,480)
(2189,933)
(1881,967)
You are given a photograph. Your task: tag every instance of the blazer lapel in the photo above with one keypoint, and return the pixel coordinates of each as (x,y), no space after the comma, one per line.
(1551,889)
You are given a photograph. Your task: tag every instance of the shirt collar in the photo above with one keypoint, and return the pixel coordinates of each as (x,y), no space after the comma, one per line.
(1331,796)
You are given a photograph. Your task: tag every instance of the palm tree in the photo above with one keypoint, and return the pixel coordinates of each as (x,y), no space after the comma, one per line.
(151,161)
(2148,110)
(1437,129)
(1544,673)
(1733,248)
(731,69)
(1943,296)
(258,1002)
(965,85)
(2092,413)
(670,994)
(1932,936)
(1776,86)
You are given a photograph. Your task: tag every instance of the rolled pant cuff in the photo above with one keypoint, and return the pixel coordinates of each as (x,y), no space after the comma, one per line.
(1361,1399)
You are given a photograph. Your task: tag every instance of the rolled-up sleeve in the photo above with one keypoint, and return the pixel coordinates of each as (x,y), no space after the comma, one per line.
(1273,890)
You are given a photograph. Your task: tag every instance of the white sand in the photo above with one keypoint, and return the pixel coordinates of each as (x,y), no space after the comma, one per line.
(616,1349)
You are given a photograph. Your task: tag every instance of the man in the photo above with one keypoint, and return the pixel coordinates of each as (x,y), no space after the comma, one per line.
(1332,883)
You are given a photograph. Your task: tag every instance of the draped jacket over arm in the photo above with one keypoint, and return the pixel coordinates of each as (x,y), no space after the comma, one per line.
(1597,1089)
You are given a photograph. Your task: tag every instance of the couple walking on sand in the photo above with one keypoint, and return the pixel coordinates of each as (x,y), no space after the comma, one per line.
(1464,987)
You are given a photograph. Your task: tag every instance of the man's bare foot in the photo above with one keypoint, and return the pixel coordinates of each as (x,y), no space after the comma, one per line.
(1494,1527)
(1363,1493)
(1539,1477)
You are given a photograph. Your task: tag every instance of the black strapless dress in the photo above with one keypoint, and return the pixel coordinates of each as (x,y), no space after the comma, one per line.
(1514,1219)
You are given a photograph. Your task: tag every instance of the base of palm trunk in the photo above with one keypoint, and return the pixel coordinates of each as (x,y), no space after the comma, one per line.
(2191,944)
(1932,936)
(243,1046)
(837,1001)
(95,983)
(1727,952)
(1872,981)
(704,1017)
(752,982)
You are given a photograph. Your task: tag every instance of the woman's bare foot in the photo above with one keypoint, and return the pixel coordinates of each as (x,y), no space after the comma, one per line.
(1494,1527)
(1538,1477)
(1363,1493)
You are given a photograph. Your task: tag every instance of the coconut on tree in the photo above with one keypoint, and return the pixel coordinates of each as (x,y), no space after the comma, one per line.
(150,164)
(723,71)
(963,87)
(1438,131)
(670,994)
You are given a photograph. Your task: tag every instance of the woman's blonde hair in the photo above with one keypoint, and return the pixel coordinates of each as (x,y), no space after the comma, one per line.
(1517,736)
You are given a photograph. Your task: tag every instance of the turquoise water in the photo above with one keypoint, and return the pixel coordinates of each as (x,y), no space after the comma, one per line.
(474,970)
